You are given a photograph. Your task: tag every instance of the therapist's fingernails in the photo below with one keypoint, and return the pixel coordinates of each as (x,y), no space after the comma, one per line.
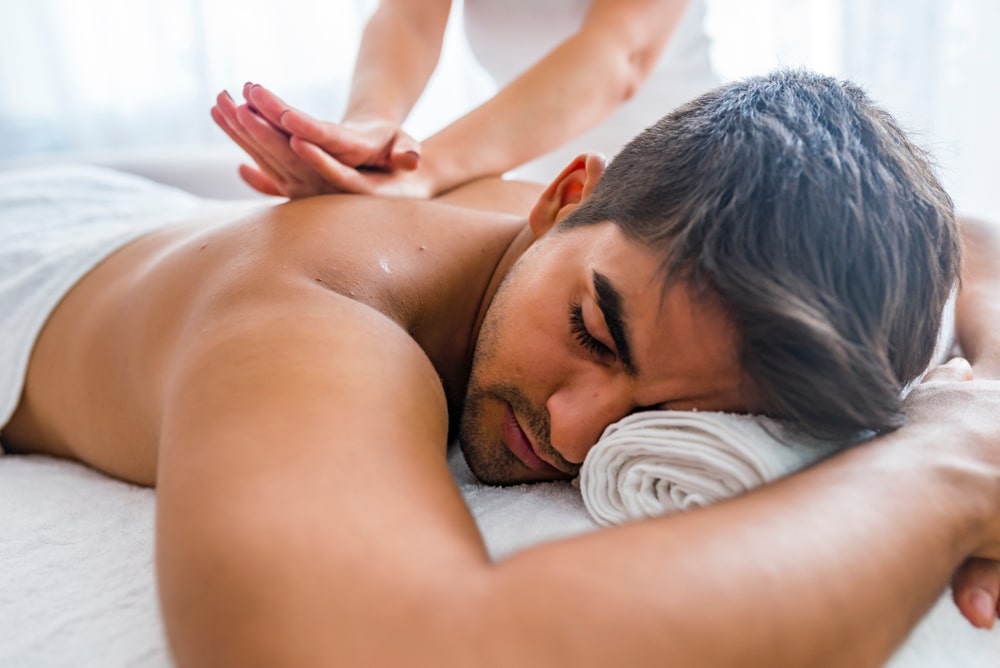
(228,96)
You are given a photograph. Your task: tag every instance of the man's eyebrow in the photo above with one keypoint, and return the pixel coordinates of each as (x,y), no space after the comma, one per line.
(609,300)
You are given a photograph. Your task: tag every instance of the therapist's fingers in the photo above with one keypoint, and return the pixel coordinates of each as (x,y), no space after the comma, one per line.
(266,103)
(405,152)
(228,110)
(976,591)
(347,145)
(260,181)
(375,144)
(343,178)
(272,145)
(295,121)
(224,115)
(381,145)
(293,176)
(280,170)
(411,184)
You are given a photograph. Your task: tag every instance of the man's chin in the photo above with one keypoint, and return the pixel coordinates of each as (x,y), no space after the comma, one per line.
(486,471)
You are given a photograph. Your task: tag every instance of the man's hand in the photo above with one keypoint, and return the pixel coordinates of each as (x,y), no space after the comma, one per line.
(298,156)
(976,591)
(976,584)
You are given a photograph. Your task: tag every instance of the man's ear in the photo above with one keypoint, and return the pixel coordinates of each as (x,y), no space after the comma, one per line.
(574,185)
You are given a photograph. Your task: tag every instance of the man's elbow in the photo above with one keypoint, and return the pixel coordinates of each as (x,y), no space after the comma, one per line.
(349,617)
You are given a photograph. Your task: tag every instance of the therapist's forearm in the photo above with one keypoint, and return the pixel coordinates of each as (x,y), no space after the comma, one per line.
(399,50)
(569,91)
(562,96)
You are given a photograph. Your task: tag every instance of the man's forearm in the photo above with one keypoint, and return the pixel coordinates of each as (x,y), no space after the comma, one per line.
(819,569)
(978,306)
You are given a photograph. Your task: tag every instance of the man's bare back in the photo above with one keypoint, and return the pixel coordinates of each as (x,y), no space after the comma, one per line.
(100,369)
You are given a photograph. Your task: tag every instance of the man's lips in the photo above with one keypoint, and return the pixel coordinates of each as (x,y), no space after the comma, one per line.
(517,442)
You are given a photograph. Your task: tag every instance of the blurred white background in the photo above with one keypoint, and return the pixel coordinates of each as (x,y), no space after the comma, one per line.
(98,74)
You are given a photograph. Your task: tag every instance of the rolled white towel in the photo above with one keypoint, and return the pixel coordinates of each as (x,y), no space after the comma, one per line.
(658,462)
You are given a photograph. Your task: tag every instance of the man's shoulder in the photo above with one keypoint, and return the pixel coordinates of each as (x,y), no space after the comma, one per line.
(341,267)
(404,258)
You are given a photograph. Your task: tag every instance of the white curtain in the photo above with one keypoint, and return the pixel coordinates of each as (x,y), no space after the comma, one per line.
(934,63)
(91,74)
(136,72)
(82,74)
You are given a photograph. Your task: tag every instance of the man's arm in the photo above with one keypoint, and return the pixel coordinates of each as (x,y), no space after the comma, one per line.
(305,511)
(306,515)
(977,317)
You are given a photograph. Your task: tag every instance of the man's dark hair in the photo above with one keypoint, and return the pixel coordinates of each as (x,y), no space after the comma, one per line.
(807,212)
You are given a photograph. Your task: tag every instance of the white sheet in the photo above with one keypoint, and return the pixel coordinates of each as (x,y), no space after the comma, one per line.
(77,583)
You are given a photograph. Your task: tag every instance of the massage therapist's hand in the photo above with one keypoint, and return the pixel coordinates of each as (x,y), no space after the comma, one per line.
(947,394)
(299,156)
(280,171)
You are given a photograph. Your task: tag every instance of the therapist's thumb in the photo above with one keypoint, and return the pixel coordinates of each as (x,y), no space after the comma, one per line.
(405,152)
(955,369)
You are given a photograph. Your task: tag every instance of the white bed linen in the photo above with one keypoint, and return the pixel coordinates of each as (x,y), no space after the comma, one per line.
(77,584)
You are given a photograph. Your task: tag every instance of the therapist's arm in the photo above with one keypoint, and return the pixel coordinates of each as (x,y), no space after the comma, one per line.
(573,88)
(570,90)
(399,51)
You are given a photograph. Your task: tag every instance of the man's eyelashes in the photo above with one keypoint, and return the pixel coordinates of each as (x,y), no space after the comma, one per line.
(583,336)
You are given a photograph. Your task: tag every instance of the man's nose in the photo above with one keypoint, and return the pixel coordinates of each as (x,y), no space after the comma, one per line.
(579,412)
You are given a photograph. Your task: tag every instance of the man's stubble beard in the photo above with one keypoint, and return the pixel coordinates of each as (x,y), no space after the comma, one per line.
(481,451)
(485,453)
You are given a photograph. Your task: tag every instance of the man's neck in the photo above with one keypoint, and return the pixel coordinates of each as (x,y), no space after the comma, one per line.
(508,242)
(449,323)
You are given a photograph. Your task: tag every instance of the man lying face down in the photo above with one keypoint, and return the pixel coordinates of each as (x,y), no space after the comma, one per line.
(286,381)
(774,247)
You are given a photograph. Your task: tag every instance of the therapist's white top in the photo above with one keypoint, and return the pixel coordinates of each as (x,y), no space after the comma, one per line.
(509,36)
